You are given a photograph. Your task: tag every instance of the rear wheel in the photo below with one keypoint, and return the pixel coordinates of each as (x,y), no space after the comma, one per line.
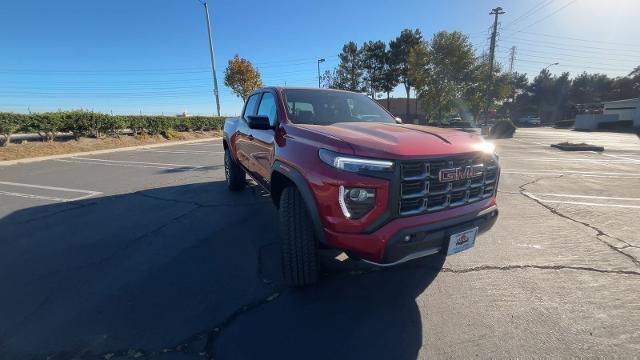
(299,250)
(233,173)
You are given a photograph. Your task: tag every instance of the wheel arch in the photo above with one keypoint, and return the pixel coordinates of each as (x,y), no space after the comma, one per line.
(283,176)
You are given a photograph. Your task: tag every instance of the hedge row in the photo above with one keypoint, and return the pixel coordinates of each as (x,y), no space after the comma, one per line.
(92,124)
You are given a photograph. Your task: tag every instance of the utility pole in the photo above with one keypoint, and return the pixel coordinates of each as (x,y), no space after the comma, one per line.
(512,59)
(213,61)
(497,12)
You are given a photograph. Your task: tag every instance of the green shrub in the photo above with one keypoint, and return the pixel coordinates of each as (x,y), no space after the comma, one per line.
(8,126)
(205,123)
(198,123)
(156,125)
(88,123)
(47,125)
(503,129)
(115,124)
(183,124)
(76,122)
(136,124)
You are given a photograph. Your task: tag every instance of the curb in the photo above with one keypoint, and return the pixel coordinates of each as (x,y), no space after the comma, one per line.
(105,151)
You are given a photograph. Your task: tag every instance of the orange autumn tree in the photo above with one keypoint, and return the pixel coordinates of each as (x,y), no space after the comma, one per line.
(242,77)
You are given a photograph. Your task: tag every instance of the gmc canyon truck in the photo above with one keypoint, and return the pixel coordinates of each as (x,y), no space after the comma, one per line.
(345,174)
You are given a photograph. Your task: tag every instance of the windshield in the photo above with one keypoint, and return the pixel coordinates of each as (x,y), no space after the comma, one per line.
(326,107)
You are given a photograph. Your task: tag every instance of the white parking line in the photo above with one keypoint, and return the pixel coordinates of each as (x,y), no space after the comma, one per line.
(572,160)
(87,193)
(109,164)
(575,173)
(185,151)
(531,142)
(203,144)
(589,197)
(623,157)
(137,162)
(533,196)
(31,196)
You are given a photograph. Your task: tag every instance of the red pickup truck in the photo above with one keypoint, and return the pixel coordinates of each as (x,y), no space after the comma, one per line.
(344,173)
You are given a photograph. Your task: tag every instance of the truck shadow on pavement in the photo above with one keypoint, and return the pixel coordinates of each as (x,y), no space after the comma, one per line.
(189,271)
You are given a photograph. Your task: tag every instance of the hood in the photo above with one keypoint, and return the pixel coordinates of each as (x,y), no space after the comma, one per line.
(399,140)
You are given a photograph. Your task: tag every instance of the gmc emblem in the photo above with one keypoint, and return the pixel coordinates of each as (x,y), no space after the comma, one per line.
(460,173)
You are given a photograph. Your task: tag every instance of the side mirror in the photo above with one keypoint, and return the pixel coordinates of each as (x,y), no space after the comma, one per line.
(259,122)
(398,120)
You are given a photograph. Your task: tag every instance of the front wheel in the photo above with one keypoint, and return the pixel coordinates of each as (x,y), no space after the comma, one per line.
(233,173)
(299,250)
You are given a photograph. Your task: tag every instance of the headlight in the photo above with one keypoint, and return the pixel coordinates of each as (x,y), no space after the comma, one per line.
(485,147)
(356,202)
(353,164)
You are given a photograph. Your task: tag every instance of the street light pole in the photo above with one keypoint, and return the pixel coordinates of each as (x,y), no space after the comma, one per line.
(550,65)
(319,61)
(213,61)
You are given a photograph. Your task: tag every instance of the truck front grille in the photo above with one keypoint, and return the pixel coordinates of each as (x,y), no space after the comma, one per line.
(421,191)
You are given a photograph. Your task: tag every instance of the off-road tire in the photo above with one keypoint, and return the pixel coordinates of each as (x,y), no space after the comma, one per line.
(299,247)
(233,173)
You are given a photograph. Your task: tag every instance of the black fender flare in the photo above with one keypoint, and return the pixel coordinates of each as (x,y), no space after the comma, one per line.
(303,187)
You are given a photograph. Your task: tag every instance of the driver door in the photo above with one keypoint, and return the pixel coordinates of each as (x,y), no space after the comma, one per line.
(243,138)
(263,147)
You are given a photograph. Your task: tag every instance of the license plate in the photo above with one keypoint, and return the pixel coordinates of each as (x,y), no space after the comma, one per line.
(462,241)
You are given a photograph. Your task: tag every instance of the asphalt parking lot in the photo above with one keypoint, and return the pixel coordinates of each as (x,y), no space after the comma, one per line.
(145,254)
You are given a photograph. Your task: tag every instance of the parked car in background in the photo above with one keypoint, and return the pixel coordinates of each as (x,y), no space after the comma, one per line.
(529,121)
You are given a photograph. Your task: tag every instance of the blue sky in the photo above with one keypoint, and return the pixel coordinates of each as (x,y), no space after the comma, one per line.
(132,56)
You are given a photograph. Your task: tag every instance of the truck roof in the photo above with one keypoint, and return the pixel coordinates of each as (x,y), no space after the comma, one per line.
(302,88)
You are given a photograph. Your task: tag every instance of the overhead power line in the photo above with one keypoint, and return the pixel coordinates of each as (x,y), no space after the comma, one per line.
(552,58)
(580,48)
(576,59)
(546,17)
(578,54)
(291,62)
(575,39)
(531,11)
(305,60)
(573,66)
(165,70)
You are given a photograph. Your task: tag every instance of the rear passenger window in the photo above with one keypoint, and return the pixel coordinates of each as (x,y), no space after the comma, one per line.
(250,108)
(268,107)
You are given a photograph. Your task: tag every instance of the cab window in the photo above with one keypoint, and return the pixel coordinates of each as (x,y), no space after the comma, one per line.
(250,108)
(268,108)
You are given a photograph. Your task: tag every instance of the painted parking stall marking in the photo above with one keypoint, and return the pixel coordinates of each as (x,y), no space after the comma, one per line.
(43,192)
(595,174)
(586,200)
(177,151)
(126,163)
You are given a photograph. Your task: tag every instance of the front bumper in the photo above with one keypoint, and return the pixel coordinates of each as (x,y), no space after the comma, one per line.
(387,246)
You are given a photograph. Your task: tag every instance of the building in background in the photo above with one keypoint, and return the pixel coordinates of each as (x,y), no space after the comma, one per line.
(615,115)
(398,107)
(627,110)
